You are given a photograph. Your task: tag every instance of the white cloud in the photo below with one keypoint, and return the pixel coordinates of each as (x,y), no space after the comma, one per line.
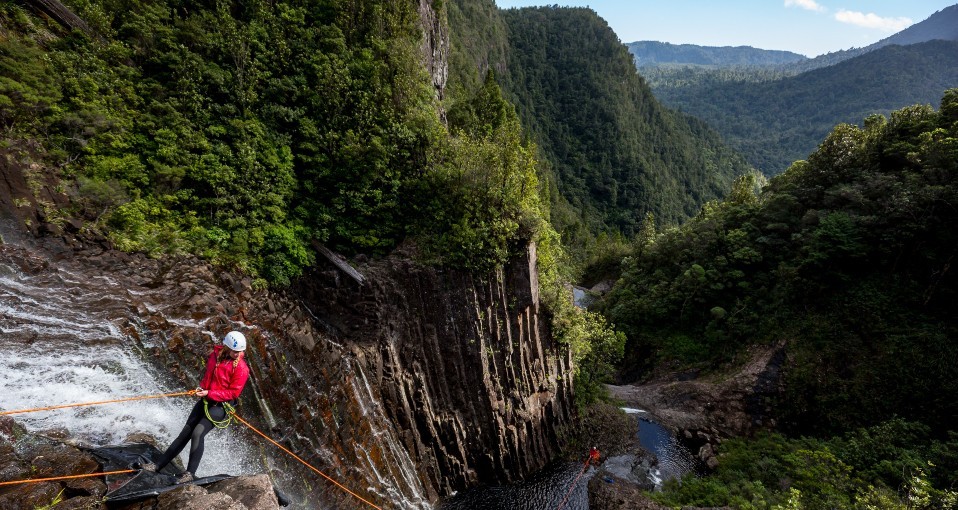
(872,20)
(811,5)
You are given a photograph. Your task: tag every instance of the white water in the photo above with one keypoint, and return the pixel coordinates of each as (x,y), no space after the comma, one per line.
(389,448)
(61,342)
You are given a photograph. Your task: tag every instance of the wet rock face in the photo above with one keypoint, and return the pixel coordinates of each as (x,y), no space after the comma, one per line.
(414,383)
(26,456)
(411,385)
(240,493)
(460,370)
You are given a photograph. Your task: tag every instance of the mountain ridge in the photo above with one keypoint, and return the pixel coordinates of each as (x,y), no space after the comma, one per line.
(656,52)
(942,25)
(774,123)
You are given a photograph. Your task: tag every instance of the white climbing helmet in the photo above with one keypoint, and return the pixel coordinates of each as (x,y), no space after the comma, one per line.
(235,340)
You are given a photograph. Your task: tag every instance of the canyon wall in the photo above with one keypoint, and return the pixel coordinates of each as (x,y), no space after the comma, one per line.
(404,382)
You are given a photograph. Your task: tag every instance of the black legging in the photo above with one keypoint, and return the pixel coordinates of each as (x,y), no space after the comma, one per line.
(196,428)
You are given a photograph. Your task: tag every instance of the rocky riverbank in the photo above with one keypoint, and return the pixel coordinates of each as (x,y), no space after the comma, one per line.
(700,412)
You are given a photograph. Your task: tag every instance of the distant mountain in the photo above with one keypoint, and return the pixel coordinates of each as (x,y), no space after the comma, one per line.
(941,25)
(777,113)
(777,122)
(653,52)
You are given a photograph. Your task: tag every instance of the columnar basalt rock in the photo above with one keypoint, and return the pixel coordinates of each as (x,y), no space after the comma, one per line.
(417,382)
(462,369)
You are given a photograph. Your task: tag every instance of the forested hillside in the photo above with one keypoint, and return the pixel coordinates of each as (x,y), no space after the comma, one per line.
(777,122)
(616,152)
(848,258)
(244,132)
(654,52)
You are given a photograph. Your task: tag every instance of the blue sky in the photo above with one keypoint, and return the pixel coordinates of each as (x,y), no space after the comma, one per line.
(809,27)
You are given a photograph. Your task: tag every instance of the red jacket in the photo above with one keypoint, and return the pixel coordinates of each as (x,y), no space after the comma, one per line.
(224,381)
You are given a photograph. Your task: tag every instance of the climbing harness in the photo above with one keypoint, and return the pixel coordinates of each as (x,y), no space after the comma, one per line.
(50,408)
(225,422)
(230,415)
(70,477)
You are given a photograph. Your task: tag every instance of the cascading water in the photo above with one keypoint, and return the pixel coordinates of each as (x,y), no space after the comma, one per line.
(61,344)
(386,446)
(65,338)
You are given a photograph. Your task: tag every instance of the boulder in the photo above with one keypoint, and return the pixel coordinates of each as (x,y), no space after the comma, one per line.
(254,492)
(192,497)
(609,492)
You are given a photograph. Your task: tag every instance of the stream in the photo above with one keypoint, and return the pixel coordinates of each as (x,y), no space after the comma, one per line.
(547,489)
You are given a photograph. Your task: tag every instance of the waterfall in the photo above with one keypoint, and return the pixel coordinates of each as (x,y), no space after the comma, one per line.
(69,333)
(62,342)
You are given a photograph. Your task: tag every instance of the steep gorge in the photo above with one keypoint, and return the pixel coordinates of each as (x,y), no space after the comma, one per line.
(415,383)
(408,385)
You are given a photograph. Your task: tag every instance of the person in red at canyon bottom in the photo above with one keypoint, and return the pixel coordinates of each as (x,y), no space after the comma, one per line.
(226,374)
(594,456)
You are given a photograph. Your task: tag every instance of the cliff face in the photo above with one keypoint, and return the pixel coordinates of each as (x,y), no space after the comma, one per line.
(467,371)
(406,384)
(435,44)
(415,382)
(410,385)
(441,373)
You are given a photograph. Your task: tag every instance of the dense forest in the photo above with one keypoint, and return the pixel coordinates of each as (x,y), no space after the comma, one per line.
(775,122)
(244,132)
(611,153)
(616,152)
(847,257)
(648,53)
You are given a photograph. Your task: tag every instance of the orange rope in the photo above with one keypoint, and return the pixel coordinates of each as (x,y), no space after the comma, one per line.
(324,475)
(35,480)
(574,482)
(191,392)
(20,411)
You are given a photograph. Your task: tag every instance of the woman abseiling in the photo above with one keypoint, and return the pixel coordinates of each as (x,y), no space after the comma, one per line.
(226,374)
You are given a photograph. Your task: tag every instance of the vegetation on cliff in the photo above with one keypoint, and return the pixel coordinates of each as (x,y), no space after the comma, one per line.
(243,132)
(616,153)
(610,152)
(847,256)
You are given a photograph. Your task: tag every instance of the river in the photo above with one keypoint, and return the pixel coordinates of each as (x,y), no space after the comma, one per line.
(549,488)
